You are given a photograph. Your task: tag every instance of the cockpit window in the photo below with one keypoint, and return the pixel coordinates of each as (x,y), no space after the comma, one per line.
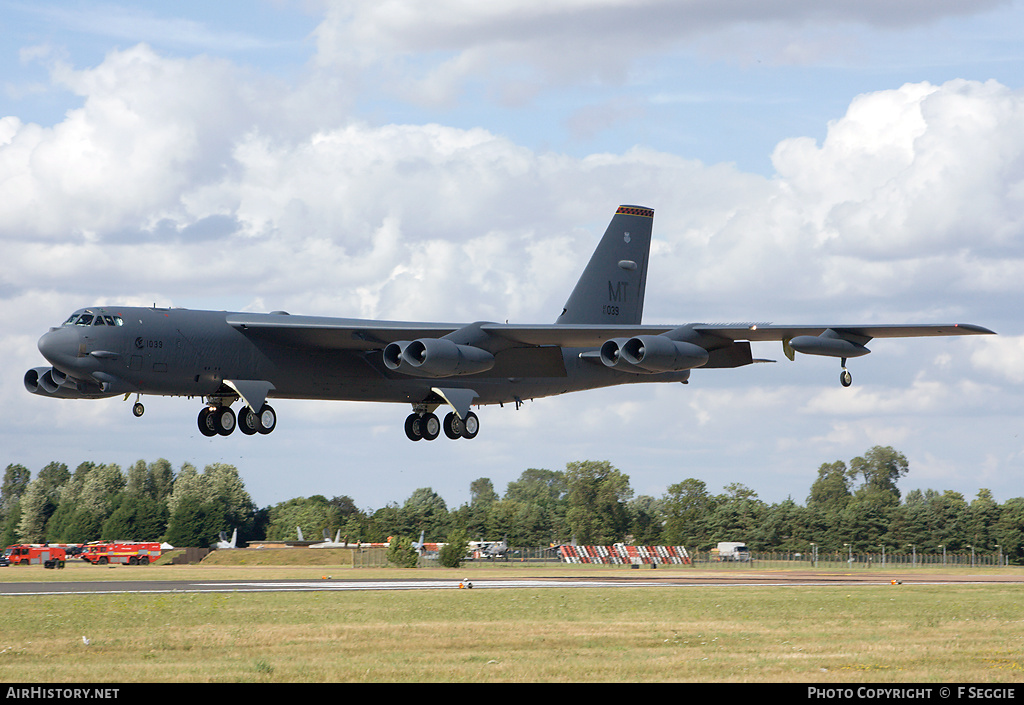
(88,319)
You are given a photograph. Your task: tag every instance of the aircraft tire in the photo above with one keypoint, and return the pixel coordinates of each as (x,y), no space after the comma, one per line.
(430,426)
(224,420)
(206,423)
(452,426)
(845,378)
(471,426)
(138,409)
(413,428)
(248,422)
(266,420)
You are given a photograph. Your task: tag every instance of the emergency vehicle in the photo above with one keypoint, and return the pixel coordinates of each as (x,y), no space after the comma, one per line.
(127,552)
(35,554)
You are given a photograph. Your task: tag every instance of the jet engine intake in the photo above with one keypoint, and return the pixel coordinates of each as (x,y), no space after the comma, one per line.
(51,382)
(611,353)
(657,353)
(436,357)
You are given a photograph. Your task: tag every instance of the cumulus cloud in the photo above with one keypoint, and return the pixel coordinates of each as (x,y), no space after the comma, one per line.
(171,171)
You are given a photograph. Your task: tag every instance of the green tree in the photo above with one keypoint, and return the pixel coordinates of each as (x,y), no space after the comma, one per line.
(831,490)
(982,520)
(1010,530)
(401,553)
(16,479)
(135,518)
(596,502)
(881,468)
(645,520)
(687,507)
(424,511)
(221,490)
(313,514)
(194,524)
(453,552)
(737,515)
(785,527)
(538,502)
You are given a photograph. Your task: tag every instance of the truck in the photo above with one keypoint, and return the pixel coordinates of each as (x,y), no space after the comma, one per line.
(35,554)
(732,551)
(124,552)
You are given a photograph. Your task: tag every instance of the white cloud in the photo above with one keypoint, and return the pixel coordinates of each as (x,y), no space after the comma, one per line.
(1002,356)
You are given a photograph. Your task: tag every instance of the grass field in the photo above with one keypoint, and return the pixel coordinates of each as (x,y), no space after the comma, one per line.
(847,633)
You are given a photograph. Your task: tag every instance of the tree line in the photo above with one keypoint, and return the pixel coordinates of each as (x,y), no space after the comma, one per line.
(850,506)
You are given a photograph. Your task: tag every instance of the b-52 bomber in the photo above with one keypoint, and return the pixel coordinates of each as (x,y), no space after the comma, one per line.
(597,341)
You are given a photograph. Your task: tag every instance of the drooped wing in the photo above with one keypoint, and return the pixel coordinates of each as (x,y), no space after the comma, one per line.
(328,333)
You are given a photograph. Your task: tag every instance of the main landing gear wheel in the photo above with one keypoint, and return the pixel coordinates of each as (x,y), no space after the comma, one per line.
(427,426)
(413,427)
(206,426)
(220,420)
(266,419)
(248,422)
(453,426)
(471,426)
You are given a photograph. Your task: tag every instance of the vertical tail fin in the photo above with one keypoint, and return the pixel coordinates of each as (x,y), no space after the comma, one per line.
(611,289)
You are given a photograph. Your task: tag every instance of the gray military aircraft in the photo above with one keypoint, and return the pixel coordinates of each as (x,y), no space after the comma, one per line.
(597,341)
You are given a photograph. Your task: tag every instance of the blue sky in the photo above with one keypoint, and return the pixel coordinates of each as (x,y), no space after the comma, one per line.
(457,161)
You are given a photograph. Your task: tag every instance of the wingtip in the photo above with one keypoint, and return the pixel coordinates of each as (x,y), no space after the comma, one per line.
(979,330)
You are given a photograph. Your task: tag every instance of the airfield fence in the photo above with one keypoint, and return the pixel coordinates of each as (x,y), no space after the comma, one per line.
(834,560)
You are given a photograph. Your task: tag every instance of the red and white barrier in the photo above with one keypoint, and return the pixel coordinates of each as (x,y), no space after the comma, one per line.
(620,554)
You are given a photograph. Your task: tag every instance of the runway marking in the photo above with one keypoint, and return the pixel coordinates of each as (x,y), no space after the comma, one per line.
(325,585)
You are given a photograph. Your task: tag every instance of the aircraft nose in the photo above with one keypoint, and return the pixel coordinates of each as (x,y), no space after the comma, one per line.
(59,347)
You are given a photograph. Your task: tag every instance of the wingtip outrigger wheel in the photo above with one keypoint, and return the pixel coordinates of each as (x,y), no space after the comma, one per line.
(845,378)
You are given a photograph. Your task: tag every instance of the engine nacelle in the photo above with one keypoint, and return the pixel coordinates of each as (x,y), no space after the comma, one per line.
(51,382)
(657,353)
(830,344)
(611,354)
(436,357)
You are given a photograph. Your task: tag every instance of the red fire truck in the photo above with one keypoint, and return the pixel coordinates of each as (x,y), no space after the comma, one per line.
(127,552)
(35,554)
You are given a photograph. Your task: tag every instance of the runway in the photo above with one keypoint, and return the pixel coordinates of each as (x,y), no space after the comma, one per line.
(330,584)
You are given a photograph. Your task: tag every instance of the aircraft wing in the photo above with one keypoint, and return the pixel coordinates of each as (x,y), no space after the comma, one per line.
(581,336)
(327,333)
(359,334)
(762,332)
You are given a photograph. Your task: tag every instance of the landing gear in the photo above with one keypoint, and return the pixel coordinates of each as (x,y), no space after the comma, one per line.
(137,408)
(221,421)
(424,425)
(217,420)
(845,378)
(453,426)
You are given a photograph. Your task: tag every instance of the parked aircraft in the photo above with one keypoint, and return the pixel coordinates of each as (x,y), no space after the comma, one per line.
(327,543)
(490,549)
(597,341)
(224,542)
